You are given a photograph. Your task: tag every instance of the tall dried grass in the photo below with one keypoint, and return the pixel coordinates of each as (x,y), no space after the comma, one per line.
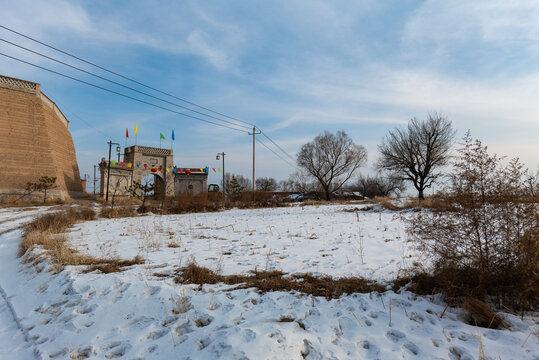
(277,281)
(47,232)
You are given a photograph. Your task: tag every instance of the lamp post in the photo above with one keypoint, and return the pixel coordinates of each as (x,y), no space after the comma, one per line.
(217,157)
(108,171)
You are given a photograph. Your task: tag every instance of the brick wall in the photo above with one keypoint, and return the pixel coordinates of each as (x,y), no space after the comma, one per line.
(34,141)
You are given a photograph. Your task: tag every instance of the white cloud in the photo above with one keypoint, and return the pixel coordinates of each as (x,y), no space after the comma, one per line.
(498,22)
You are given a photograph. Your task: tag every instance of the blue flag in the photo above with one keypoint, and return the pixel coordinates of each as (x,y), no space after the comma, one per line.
(173,135)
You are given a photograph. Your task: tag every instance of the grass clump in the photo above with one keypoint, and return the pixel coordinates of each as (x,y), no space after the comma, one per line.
(47,232)
(117,212)
(277,281)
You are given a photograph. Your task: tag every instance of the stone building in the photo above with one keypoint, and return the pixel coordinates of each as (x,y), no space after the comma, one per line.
(34,141)
(141,161)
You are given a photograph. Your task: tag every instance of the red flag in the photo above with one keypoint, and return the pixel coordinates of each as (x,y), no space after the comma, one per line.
(126,133)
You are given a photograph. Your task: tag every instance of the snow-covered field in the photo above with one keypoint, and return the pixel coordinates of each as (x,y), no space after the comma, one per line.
(135,314)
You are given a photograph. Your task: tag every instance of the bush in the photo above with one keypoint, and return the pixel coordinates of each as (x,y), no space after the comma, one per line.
(487,246)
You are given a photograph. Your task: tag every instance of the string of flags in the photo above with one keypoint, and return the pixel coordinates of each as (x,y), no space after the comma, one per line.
(160,168)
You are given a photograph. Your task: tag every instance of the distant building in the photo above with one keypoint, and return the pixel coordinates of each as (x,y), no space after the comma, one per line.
(34,141)
(140,161)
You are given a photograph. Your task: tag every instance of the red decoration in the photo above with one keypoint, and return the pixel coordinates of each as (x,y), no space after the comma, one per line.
(188,171)
(154,170)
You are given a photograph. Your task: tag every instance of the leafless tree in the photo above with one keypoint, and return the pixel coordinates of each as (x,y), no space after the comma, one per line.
(266,184)
(243,181)
(488,241)
(299,181)
(417,152)
(331,160)
(379,185)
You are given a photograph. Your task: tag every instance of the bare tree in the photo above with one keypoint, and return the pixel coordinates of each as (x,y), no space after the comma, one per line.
(266,184)
(331,160)
(379,185)
(299,181)
(243,181)
(417,152)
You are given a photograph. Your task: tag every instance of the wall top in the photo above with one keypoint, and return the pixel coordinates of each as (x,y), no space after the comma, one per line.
(33,88)
(18,84)
(147,150)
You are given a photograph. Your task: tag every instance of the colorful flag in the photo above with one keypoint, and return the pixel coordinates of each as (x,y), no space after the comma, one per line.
(162,136)
(218,169)
(136,129)
(126,133)
(129,165)
(168,170)
(173,138)
(113,162)
(213,169)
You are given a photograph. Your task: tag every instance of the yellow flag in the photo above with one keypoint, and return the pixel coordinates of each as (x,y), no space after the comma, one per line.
(168,170)
(136,129)
(129,165)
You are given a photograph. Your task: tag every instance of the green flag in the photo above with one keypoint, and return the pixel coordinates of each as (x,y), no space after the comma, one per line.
(162,136)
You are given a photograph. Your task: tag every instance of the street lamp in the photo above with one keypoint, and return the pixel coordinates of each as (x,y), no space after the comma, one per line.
(108,171)
(217,157)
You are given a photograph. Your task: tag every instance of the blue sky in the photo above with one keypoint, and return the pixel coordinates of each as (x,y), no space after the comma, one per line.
(293,68)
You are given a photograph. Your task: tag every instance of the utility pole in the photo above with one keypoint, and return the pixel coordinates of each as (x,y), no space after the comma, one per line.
(217,157)
(254,133)
(108,171)
(95,166)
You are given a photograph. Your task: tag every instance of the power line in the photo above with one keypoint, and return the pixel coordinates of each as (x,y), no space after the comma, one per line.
(139,83)
(280,148)
(122,76)
(119,84)
(80,118)
(119,94)
(279,156)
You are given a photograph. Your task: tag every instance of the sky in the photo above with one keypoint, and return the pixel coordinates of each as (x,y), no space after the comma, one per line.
(293,68)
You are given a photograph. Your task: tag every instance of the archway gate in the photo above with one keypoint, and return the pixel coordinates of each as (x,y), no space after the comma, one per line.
(140,161)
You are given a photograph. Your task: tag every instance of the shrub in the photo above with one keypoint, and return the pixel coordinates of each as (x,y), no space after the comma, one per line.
(488,244)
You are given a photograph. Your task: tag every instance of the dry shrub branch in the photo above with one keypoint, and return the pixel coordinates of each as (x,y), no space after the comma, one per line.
(487,246)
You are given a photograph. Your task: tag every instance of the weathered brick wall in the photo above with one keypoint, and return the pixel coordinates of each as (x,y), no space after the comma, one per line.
(34,142)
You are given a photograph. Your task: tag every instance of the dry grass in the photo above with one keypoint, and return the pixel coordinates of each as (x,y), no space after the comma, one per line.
(22,203)
(46,232)
(482,315)
(277,281)
(117,212)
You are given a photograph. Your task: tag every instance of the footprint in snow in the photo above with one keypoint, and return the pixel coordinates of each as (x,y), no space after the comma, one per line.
(410,348)
(459,353)
(87,309)
(395,335)
(369,349)
(116,349)
(157,334)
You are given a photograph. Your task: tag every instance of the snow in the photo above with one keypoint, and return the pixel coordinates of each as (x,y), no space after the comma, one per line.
(135,314)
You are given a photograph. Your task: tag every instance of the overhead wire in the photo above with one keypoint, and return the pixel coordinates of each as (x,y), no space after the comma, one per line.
(138,91)
(122,76)
(279,156)
(120,94)
(119,84)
